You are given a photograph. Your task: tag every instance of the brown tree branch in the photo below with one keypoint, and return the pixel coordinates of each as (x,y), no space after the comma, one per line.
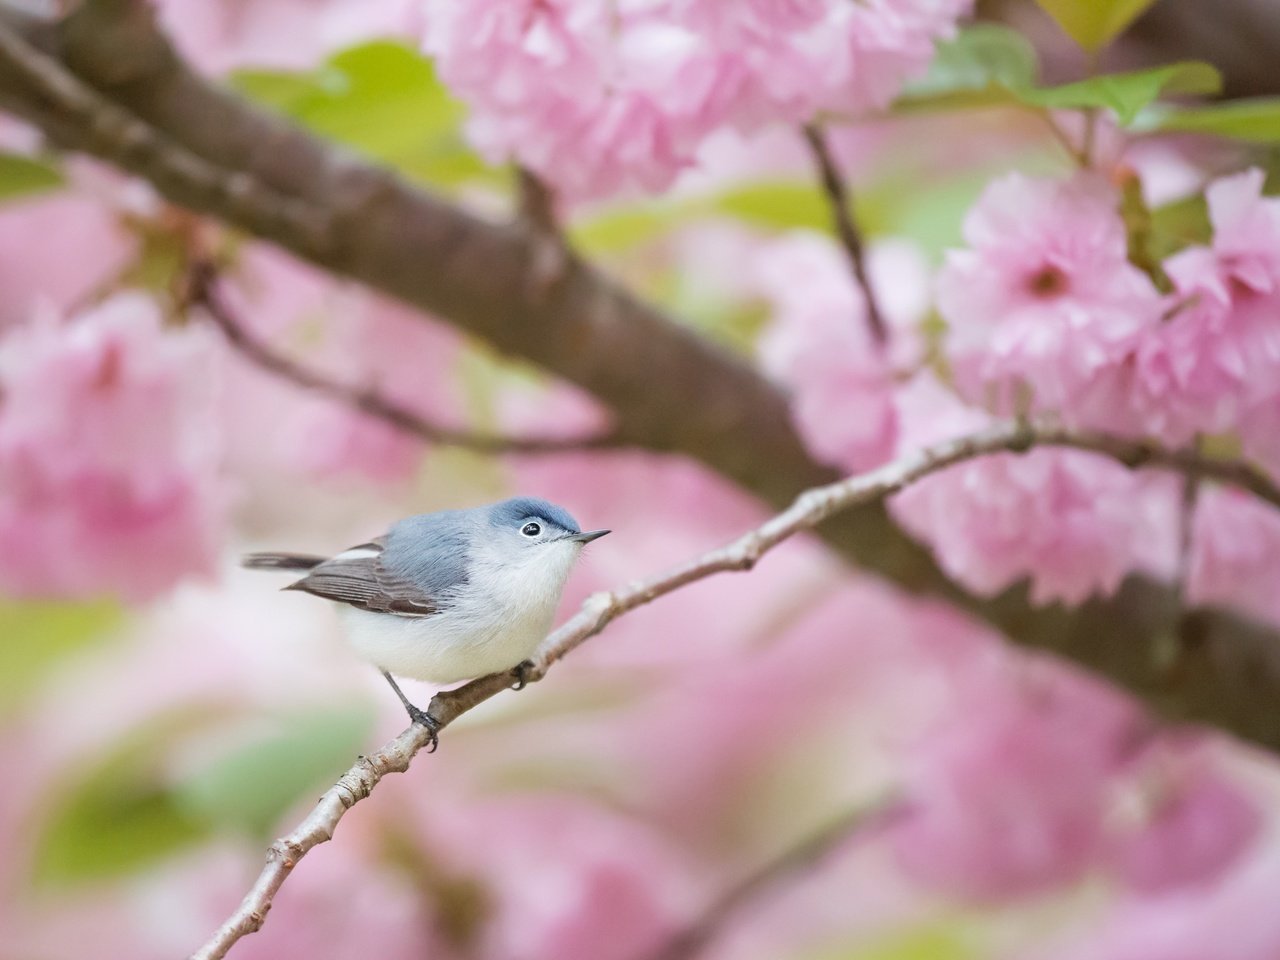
(109,84)
(202,291)
(837,193)
(808,511)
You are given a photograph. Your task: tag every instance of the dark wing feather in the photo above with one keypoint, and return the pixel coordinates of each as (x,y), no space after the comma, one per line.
(366,583)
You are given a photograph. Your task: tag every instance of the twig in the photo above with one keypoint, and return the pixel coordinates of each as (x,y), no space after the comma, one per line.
(537,209)
(810,853)
(808,511)
(202,291)
(837,194)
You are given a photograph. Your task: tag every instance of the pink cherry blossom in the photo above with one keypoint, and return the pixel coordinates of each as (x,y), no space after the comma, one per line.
(818,344)
(108,454)
(1076,523)
(1007,796)
(600,99)
(1043,297)
(1235,556)
(1183,822)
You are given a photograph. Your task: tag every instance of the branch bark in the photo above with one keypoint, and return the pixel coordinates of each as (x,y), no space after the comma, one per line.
(837,193)
(808,511)
(108,83)
(203,292)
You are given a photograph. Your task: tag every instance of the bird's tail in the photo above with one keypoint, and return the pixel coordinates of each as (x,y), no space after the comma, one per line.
(280,561)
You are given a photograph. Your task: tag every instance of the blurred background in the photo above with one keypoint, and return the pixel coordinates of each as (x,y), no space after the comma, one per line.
(900,782)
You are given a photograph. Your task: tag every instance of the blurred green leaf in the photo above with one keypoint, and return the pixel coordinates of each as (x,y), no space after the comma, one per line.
(117,815)
(978,67)
(1094,23)
(931,943)
(251,787)
(1178,225)
(20,176)
(36,635)
(1125,94)
(383,99)
(1255,120)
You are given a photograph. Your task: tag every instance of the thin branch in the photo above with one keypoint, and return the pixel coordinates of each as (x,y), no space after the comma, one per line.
(809,509)
(809,854)
(837,194)
(536,205)
(202,291)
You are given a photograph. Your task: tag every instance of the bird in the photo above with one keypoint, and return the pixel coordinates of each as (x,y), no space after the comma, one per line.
(449,595)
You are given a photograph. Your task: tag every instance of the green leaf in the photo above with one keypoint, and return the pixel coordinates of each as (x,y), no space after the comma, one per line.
(930,943)
(1125,94)
(21,176)
(118,816)
(251,787)
(978,67)
(36,635)
(1179,225)
(1254,120)
(381,98)
(1094,23)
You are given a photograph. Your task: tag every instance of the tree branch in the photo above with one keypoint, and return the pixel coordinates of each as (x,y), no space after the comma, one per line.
(109,84)
(837,194)
(202,291)
(808,511)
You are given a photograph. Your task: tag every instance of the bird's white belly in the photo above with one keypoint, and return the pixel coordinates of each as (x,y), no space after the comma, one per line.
(446,647)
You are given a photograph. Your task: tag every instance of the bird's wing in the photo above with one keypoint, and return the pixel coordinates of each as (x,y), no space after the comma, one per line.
(360,577)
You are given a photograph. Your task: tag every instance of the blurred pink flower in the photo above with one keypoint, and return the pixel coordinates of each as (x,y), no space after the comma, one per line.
(567,879)
(222,35)
(108,454)
(1233,919)
(1006,796)
(819,344)
(58,250)
(1186,823)
(1076,523)
(1235,557)
(1044,297)
(598,99)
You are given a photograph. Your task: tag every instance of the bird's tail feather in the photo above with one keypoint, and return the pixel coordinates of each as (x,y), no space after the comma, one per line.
(280,561)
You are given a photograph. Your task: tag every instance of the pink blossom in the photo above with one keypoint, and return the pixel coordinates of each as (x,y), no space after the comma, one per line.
(599,99)
(1235,558)
(1076,523)
(819,345)
(1185,823)
(221,35)
(1044,297)
(1214,361)
(1007,795)
(108,454)
(606,887)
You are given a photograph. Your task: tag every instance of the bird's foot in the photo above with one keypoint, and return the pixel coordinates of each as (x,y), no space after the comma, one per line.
(421,717)
(522,671)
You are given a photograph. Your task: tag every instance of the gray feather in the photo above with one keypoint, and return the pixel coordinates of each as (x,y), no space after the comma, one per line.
(280,561)
(413,571)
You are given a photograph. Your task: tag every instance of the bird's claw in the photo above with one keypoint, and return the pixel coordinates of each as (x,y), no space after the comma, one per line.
(522,671)
(420,716)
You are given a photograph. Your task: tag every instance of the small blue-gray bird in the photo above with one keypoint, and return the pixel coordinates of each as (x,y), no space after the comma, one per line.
(451,595)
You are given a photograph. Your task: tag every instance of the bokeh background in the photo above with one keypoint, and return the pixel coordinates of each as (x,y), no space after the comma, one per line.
(164,714)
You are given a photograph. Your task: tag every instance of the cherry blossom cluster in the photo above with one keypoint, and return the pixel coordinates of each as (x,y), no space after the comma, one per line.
(598,97)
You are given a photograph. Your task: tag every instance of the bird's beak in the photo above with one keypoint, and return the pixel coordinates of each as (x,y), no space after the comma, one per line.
(588,536)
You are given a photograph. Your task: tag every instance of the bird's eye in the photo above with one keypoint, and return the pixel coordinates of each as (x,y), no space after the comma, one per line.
(531,529)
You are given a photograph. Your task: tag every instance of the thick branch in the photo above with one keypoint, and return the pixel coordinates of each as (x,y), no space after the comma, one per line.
(203,292)
(807,512)
(837,194)
(117,90)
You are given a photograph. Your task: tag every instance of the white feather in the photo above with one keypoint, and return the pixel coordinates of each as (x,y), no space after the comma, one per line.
(498,621)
